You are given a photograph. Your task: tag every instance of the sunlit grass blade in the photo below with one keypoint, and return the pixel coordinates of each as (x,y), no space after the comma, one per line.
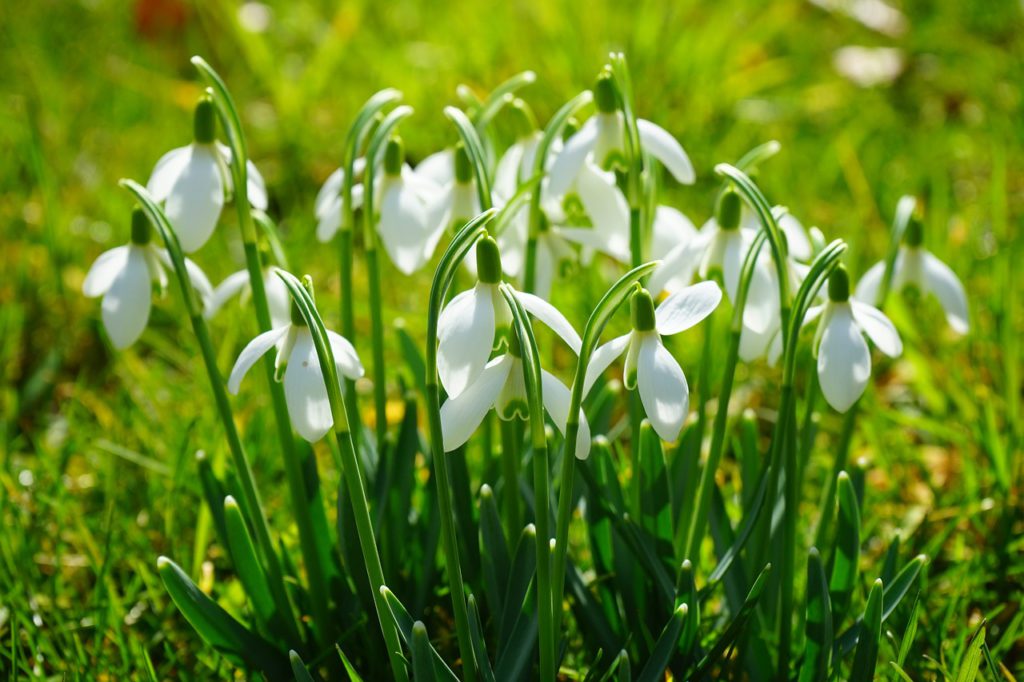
(846,557)
(299,671)
(520,575)
(819,632)
(406,628)
(866,657)
(971,662)
(495,558)
(247,564)
(422,660)
(737,626)
(665,648)
(225,634)
(476,628)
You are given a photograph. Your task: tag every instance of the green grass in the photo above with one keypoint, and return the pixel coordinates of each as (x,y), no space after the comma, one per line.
(98,460)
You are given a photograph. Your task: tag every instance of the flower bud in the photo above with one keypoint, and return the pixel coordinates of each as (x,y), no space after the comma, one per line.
(914,234)
(142,231)
(605,98)
(394,156)
(642,310)
(727,211)
(463,168)
(839,285)
(488,261)
(204,122)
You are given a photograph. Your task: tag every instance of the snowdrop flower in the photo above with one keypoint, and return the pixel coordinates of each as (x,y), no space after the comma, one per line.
(600,142)
(916,268)
(458,201)
(797,240)
(404,221)
(844,360)
(238,284)
(516,164)
(719,250)
(124,277)
(330,205)
(650,368)
(305,388)
(193,181)
(478,321)
(501,384)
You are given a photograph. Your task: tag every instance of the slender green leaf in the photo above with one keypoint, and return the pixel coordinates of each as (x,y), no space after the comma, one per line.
(422,659)
(406,626)
(865,659)
(299,670)
(818,648)
(247,564)
(972,657)
(735,628)
(846,558)
(476,631)
(664,648)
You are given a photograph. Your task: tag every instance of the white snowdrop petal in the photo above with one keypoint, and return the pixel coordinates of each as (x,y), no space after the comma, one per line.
(677,267)
(552,317)
(329,191)
(230,287)
(762,307)
(878,328)
(127,301)
(104,271)
(200,282)
(557,399)
(870,284)
(166,172)
(506,174)
(602,358)
(607,208)
(305,391)
(566,165)
(664,147)
(754,344)
(465,338)
(345,356)
(671,229)
(439,167)
(687,307)
(461,415)
(844,362)
(796,237)
(279,300)
(591,238)
(662,385)
(257,187)
(252,352)
(946,286)
(196,198)
(402,226)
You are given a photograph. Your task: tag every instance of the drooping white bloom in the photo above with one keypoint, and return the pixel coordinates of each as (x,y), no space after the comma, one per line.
(721,247)
(844,359)
(916,267)
(194,180)
(601,142)
(329,205)
(404,220)
(650,368)
(124,277)
(238,284)
(501,385)
(477,321)
(305,388)
(457,201)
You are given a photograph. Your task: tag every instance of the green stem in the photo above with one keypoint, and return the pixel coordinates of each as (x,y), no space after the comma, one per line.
(542,495)
(250,495)
(380,398)
(788,562)
(828,498)
(348,324)
(511,437)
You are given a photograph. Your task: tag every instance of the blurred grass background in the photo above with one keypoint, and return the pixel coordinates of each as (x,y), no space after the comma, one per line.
(97,474)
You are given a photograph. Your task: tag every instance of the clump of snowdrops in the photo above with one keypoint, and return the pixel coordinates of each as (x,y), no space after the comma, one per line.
(540,509)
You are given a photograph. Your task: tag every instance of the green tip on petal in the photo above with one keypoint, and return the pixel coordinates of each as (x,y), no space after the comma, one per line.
(839,285)
(488,261)
(204,124)
(394,156)
(642,310)
(571,127)
(914,235)
(142,231)
(604,93)
(727,212)
(463,168)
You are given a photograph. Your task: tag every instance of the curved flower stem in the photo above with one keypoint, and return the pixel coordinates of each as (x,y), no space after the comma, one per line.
(317,565)
(511,440)
(695,533)
(552,132)
(351,470)
(443,277)
(250,494)
(541,474)
(615,296)
(354,143)
(374,154)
